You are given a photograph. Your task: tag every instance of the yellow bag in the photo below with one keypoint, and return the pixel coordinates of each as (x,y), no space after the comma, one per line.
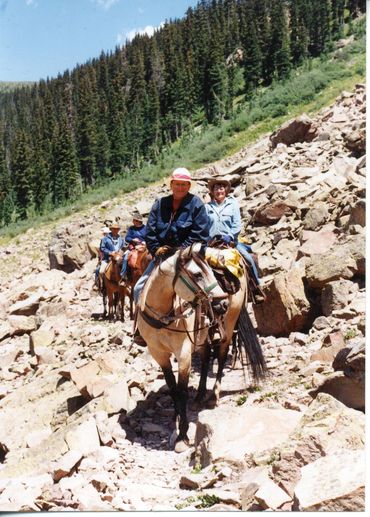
(225,259)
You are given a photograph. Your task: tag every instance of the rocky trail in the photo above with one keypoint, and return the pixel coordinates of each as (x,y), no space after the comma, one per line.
(86,418)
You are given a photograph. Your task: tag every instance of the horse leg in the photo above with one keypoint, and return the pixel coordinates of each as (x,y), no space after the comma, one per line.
(122,302)
(131,304)
(184,364)
(214,398)
(104,294)
(205,357)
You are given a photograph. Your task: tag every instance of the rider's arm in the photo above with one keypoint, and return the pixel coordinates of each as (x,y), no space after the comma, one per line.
(103,247)
(236,225)
(200,224)
(151,238)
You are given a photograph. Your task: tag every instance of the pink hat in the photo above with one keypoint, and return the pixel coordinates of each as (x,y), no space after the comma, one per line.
(181,174)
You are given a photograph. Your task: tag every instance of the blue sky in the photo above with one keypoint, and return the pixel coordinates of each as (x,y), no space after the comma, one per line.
(39,38)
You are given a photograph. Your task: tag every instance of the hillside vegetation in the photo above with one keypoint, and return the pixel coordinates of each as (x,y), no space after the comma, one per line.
(117,115)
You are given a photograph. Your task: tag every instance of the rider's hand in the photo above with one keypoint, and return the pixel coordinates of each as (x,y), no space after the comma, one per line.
(226,239)
(162,251)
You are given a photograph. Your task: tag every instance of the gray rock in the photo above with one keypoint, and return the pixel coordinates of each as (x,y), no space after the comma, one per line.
(328,484)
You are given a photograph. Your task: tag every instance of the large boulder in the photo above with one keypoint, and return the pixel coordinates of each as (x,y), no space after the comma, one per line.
(355,141)
(336,295)
(286,308)
(347,383)
(69,248)
(318,242)
(333,483)
(334,265)
(272,213)
(229,434)
(300,129)
(316,216)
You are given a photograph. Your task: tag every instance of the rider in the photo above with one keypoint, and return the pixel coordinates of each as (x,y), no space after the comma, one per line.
(177,220)
(110,244)
(225,221)
(135,235)
(105,231)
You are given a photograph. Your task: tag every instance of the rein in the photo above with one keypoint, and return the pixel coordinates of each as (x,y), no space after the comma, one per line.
(201,296)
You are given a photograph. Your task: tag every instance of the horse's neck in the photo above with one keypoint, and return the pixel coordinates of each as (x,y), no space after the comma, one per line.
(160,292)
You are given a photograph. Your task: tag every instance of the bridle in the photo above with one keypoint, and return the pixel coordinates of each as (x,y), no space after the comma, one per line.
(202,300)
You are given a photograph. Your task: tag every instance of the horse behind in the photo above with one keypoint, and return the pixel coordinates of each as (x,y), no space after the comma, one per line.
(138,261)
(237,318)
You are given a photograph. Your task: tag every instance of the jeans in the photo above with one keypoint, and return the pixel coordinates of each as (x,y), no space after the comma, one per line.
(141,282)
(245,250)
(124,263)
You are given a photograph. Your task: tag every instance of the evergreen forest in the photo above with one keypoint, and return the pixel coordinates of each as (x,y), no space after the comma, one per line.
(109,117)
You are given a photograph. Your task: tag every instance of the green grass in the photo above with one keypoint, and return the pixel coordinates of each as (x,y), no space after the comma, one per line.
(199,501)
(312,86)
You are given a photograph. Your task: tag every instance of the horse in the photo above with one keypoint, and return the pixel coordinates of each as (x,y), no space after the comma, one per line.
(179,288)
(236,318)
(138,261)
(112,288)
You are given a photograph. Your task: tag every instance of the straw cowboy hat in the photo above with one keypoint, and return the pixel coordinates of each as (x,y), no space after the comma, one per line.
(219,181)
(137,216)
(114,225)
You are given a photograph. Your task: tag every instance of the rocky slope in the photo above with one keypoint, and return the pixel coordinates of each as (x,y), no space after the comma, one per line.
(86,420)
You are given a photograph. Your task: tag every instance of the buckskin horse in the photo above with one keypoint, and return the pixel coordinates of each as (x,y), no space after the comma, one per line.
(176,309)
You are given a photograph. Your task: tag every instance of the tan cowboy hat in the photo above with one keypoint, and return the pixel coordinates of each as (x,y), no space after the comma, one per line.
(137,217)
(219,181)
(114,225)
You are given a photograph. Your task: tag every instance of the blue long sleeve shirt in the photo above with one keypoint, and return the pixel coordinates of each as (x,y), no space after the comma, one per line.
(224,218)
(136,233)
(109,244)
(187,225)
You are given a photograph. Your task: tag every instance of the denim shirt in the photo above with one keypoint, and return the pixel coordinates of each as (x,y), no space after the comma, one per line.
(107,245)
(224,219)
(189,224)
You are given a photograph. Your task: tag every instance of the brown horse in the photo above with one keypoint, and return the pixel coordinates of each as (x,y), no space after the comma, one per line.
(138,261)
(112,288)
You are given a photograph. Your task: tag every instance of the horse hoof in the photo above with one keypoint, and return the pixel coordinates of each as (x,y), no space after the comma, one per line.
(212,402)
(181,446)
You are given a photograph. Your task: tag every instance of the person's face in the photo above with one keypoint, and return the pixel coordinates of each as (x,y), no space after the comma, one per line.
(219,193)
(179,189)
(137,223)
(114,231)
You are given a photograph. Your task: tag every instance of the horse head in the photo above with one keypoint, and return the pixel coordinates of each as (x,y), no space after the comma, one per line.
(194,279)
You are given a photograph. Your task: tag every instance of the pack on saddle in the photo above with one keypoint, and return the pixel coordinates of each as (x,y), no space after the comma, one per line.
(227,269)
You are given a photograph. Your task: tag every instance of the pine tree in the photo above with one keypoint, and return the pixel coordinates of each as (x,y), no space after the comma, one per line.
(298,32)
(87,131)
(252,55)
(278,64)
(22,172)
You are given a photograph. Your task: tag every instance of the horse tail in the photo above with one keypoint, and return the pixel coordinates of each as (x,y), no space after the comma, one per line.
(248,339)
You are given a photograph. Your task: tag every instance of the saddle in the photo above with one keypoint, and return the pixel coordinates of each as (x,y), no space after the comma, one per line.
(135,256)
(225,277)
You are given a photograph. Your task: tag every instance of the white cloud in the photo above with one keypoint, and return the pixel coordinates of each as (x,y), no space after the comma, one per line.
(149,30)
(105,4)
